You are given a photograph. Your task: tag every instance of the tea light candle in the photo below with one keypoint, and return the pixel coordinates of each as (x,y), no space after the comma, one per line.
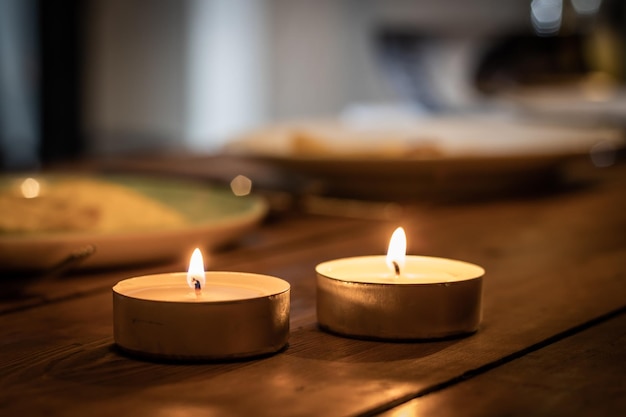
(201,315)
(399,297)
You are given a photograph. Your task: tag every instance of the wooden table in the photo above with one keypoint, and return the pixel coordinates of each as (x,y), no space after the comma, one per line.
(552,342)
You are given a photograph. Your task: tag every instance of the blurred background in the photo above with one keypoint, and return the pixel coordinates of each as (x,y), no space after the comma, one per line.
(112,77)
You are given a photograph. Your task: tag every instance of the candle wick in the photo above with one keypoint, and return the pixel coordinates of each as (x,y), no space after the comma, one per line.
(197,286)
(396,268)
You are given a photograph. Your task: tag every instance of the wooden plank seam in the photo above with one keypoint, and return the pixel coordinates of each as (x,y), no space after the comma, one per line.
(472,373)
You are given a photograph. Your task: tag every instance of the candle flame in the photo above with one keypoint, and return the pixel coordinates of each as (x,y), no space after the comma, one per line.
(396,254)
(195,273)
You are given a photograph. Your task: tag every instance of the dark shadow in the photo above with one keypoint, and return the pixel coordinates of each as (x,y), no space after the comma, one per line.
(165,360)
(311,342)
(550,188)
(15,286)
(105,364)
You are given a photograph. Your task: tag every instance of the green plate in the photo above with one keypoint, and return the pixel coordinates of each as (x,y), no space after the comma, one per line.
(214,217)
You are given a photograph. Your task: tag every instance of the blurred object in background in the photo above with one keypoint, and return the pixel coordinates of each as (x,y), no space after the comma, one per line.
(62,48)
(434,73)
(595,100)
(572,70)
(571,39)
(170,75)
(110,77)
(446,158)
(527,59)
(429,51)
(190,75)
(40,82)
(19,101)
(458,68)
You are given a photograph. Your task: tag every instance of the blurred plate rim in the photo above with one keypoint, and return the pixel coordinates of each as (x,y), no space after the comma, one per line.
(43,250)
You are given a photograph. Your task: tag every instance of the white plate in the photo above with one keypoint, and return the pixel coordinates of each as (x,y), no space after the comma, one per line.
(575,104)
(214,217)
(433,157)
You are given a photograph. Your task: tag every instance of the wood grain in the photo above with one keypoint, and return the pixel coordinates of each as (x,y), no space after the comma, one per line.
(579,375)
(554,265)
